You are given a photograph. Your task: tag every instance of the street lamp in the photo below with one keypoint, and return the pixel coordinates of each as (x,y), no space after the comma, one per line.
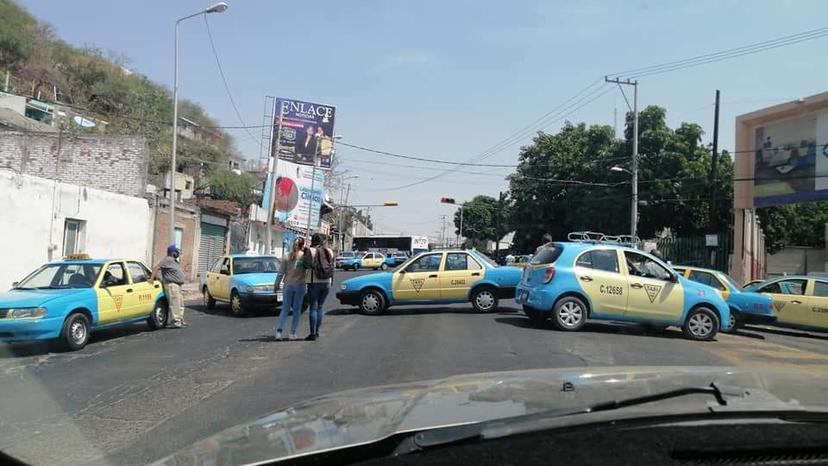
(634,205)
(343,206)
(219,7)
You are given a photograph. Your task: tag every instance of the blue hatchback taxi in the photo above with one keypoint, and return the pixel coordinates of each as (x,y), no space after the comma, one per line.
(602,279)
(67,300)
(245,281)
(438,277)
(746,307)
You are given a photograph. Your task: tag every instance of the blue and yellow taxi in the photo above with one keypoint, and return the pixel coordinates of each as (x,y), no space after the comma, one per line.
(347,260)
(395,258)
(746,307)
(244,281)
(602,278)
(800,301)
(68,300)
(438,277)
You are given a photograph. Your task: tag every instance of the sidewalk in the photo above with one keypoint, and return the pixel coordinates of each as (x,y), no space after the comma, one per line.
(190,291)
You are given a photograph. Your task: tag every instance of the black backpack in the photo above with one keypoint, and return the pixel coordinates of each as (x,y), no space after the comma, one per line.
(323,270)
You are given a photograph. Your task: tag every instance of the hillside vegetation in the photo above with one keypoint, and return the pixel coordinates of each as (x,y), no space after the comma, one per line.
(99,85)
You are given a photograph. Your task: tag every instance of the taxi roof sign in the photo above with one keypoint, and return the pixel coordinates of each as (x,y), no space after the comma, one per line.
(77,256)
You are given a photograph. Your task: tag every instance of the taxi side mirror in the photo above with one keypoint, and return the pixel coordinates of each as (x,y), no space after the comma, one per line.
(674,278)
(14,284)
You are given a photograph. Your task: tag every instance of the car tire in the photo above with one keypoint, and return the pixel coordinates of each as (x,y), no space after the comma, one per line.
(158,319)
(384,266)
(209,302)
(75,332)
(484,299)
(236,304)
(569,314)
(702,324)
(372,302)
(356,267)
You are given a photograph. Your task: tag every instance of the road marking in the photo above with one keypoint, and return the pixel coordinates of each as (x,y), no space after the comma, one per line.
(749,352)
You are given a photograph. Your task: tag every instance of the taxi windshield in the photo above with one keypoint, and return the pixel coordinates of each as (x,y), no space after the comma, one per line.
(731,283)
(244,265)
(60,276)
(346,254)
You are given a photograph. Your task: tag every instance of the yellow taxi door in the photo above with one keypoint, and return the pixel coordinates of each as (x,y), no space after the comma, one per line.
(818,302)
(601,279)
(221,280)
(459,273)
(654,291)
(144,293)
(789,300)
(420,280)
(115,293)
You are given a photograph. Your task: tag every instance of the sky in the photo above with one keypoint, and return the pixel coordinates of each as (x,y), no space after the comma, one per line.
(450,79)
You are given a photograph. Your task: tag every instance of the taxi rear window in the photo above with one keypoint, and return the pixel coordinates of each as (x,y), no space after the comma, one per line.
(546,254)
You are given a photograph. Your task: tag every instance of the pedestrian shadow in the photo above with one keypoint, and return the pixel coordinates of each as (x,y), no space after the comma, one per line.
(617,328)
(341,312)
(790,333)
(261,339)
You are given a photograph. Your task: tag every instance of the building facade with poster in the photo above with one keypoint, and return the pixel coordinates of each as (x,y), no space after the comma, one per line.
(781,158)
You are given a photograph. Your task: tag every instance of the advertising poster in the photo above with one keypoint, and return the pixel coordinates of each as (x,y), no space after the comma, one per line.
(302,181)
(791,161)
(307,132)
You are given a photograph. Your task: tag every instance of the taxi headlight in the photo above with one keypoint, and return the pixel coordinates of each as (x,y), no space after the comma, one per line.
(343,287)
(27,313)
(249,289)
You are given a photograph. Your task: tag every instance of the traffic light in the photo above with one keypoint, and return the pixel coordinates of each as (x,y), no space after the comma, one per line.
(447,200)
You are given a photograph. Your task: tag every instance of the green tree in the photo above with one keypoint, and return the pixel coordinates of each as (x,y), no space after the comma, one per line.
(564,183)
(228,185)
(794,225)
(478,218)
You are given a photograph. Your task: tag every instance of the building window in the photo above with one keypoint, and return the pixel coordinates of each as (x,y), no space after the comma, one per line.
(188,185)
(74,232)
(179,234)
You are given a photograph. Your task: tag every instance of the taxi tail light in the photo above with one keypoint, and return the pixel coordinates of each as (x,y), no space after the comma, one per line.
(550,274)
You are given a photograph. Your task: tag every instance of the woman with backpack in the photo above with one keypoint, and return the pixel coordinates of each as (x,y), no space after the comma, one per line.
(294,269)
(319,281)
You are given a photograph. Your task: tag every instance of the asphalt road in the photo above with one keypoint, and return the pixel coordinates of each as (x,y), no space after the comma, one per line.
(133,396)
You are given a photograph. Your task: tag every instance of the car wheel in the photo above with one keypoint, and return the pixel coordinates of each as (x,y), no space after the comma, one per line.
(736,321)
(570,313)
(701,324)
(236,304)
(75,332)
(209,302)
(356,267)
(484,300)
(384,266)
(158,318)
(372,302)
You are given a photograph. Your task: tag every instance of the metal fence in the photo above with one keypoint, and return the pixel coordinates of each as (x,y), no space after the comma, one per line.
(694,251)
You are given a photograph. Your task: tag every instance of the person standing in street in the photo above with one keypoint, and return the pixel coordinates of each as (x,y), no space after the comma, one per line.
(319,283)
(293,274)
(172,277)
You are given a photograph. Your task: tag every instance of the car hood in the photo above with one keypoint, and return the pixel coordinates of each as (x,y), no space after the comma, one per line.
(31,298)
(366,415)
(253,279)
(379,278)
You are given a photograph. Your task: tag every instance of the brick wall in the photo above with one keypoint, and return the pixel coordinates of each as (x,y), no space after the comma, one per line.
(189,223)
(112,163)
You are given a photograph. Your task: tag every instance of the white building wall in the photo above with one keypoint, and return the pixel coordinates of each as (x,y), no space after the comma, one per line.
(33,212)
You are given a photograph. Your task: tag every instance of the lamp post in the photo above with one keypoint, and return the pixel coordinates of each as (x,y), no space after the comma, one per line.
(219,7)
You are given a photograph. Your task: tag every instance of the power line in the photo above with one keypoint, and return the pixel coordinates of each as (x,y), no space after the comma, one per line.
(724,54)
(423,159)
(224,80)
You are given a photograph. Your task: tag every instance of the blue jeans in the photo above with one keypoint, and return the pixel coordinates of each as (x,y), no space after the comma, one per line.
(292,297)
(317,293)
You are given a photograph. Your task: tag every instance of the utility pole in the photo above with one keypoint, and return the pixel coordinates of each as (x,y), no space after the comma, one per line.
(634,205)
(443,232)
(714,166)
(271,178)
(498,214)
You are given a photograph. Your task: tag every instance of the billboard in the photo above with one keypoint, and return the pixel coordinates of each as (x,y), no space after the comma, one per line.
(307,131)
(302,178)
(791,161)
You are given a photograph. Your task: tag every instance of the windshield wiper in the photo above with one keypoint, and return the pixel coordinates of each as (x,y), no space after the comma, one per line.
(443,436)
